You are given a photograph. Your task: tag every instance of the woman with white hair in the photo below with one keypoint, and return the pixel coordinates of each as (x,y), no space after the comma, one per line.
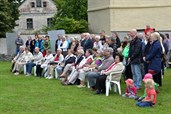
(97,43)
(70,67)
(154,58)
(24,58)
(51,65)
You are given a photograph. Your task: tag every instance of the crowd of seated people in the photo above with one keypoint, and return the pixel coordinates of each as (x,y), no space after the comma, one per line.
(92,58)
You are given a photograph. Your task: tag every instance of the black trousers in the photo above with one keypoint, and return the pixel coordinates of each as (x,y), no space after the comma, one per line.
(128,72)
(157,78)
(39,70)
(100,83)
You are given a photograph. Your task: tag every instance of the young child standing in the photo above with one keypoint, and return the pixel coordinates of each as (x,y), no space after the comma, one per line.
(150,98)
(148,76)
(131,91)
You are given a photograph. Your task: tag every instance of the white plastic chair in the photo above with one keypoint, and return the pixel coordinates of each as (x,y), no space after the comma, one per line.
(56,72)
(35,71)
(33,68)
(116,83)
(72,72)
(25,69)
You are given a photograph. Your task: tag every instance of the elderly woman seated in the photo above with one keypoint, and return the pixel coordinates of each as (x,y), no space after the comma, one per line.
(17,58)
(96,62)
(57,60)
(87,60)
(69,59)
(116,66)
(46,60)
(69,67)
(26,57)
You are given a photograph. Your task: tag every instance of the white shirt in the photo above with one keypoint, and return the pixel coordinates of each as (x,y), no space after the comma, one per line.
(64,46)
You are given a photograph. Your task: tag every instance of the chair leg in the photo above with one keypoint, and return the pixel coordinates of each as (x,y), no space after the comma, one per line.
(35,71)
(115,87)
(119,88)
(107,88)
(56,74)
(88,84)
(25,69)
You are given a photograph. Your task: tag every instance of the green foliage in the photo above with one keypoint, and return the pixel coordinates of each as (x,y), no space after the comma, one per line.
(71,16)
(70,25)
(76,9)
(8,14)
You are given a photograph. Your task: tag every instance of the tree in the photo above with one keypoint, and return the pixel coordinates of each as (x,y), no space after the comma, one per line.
(9,14)
(76,9)
(71,16)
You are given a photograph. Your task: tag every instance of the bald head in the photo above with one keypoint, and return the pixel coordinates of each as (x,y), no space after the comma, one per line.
(36,49)
(140,35)
(133,33)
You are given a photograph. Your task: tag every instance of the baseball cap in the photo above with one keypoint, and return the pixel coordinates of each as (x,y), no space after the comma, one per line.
(130,82)
(148,76)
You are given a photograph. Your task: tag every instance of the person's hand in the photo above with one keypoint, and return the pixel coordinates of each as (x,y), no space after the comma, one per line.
(85,65)
(102,72)
(129,60)
(143,100)
(144,58)
(95,70)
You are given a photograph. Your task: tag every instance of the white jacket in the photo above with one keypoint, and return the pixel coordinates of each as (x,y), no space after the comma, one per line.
(38,57)
(27,56)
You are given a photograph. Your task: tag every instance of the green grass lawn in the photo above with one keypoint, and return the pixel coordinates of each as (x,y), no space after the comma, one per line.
(33,95)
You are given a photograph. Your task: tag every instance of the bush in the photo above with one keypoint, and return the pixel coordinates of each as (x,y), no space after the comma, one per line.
(70,25)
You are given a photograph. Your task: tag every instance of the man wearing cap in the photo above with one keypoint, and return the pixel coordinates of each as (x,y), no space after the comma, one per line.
(134,58)
(108,60)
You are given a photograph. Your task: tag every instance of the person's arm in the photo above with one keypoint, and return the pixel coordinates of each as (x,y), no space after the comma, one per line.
(49,45)
(137,50)
(22,43)
(105,64)
(116,68)
(153,52)
(65,45)
(143,96)
(149,100)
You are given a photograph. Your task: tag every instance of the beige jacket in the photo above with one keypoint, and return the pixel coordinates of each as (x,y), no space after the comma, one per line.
(116,68)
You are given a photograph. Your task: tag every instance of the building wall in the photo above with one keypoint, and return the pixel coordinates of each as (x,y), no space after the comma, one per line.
(39,20)
(38,14)
(126,19)
(128,14)
(93,4)
(99,21)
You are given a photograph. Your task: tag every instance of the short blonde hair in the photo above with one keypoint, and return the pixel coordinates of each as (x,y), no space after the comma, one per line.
(80,51)
(149,83)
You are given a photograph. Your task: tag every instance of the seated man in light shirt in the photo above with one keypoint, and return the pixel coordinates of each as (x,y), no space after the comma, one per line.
(26,57)
(37,59)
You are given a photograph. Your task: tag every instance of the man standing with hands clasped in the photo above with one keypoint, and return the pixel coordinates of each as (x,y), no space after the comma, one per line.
(134,58)
(19,42)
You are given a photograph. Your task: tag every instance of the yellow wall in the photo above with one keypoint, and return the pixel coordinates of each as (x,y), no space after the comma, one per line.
(123,15)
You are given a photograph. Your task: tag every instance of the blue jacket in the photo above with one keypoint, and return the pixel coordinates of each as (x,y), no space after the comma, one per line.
(135,51)
(88,44)
(154,57)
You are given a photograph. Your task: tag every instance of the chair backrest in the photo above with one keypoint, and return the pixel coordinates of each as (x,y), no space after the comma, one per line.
(116,76)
